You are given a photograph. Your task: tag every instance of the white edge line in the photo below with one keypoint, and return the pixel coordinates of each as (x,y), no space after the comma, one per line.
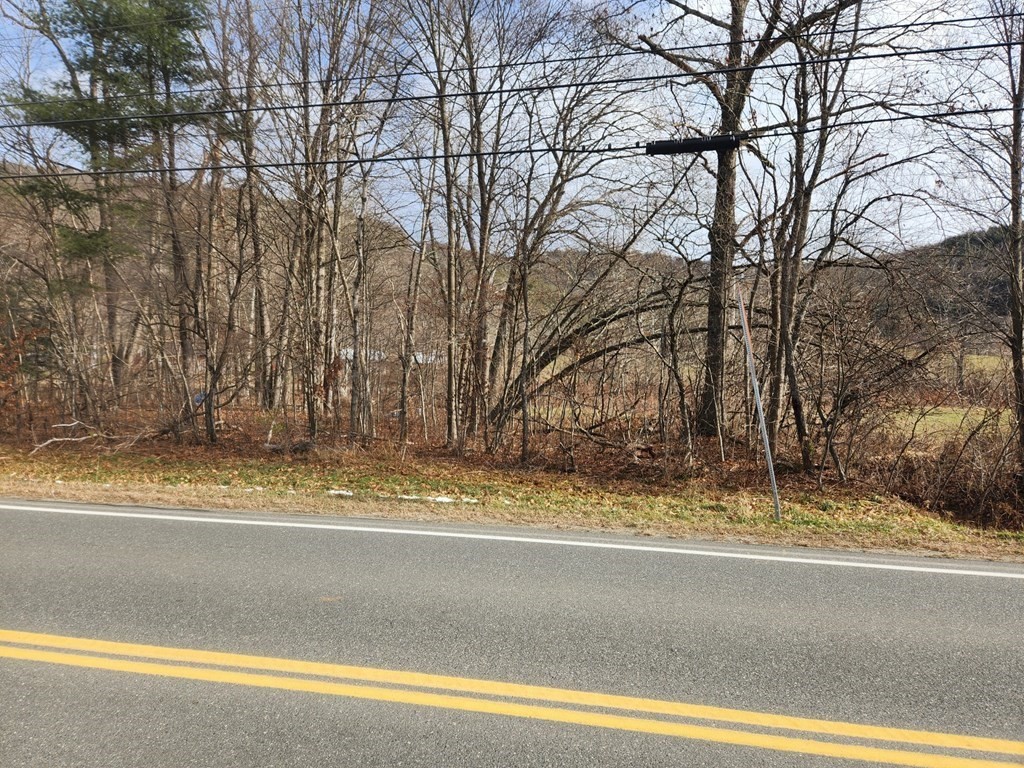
(514,539)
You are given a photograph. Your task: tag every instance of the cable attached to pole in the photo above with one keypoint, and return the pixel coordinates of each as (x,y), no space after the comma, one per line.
(757,403)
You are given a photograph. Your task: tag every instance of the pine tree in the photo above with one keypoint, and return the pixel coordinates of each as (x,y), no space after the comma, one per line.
(121,102)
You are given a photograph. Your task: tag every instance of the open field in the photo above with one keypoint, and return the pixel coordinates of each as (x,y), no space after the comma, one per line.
(947,421)
(355,483)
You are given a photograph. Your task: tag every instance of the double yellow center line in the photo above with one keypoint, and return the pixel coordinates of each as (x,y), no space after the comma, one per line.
(525,701)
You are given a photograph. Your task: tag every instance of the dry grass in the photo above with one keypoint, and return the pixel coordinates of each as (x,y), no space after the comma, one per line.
(725,506)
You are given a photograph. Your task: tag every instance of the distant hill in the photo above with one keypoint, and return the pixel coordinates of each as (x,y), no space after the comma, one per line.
(959,272)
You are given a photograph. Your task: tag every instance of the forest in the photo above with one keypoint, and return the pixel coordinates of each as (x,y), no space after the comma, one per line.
(436,223)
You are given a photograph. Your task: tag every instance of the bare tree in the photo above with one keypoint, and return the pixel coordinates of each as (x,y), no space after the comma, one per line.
(820,194)
(741,39)
(987,147)
(332,46)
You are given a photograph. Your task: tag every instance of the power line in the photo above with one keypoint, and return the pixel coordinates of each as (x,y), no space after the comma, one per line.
(16,39)
(336,162)
(636,149)
(528,63)
(540,87)
(933,117)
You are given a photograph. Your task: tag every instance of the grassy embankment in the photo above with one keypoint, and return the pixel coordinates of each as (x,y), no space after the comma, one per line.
(717,508)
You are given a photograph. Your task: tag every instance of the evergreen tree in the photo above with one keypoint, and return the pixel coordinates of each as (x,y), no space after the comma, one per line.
(121,101)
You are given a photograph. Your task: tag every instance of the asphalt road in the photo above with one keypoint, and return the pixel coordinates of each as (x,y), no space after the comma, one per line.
(932,646)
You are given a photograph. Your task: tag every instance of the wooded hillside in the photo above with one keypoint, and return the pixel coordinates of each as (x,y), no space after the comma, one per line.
(432,222)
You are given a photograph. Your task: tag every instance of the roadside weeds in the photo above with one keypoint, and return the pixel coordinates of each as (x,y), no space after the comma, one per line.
(387,487)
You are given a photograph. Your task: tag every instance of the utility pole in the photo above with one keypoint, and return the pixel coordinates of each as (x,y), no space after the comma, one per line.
(716,144)
(721,239)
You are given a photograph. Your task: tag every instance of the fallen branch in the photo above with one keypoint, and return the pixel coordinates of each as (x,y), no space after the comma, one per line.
(63,440)
(95,434)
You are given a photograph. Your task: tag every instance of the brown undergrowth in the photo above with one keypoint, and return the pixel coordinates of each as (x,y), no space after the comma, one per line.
(647,494)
